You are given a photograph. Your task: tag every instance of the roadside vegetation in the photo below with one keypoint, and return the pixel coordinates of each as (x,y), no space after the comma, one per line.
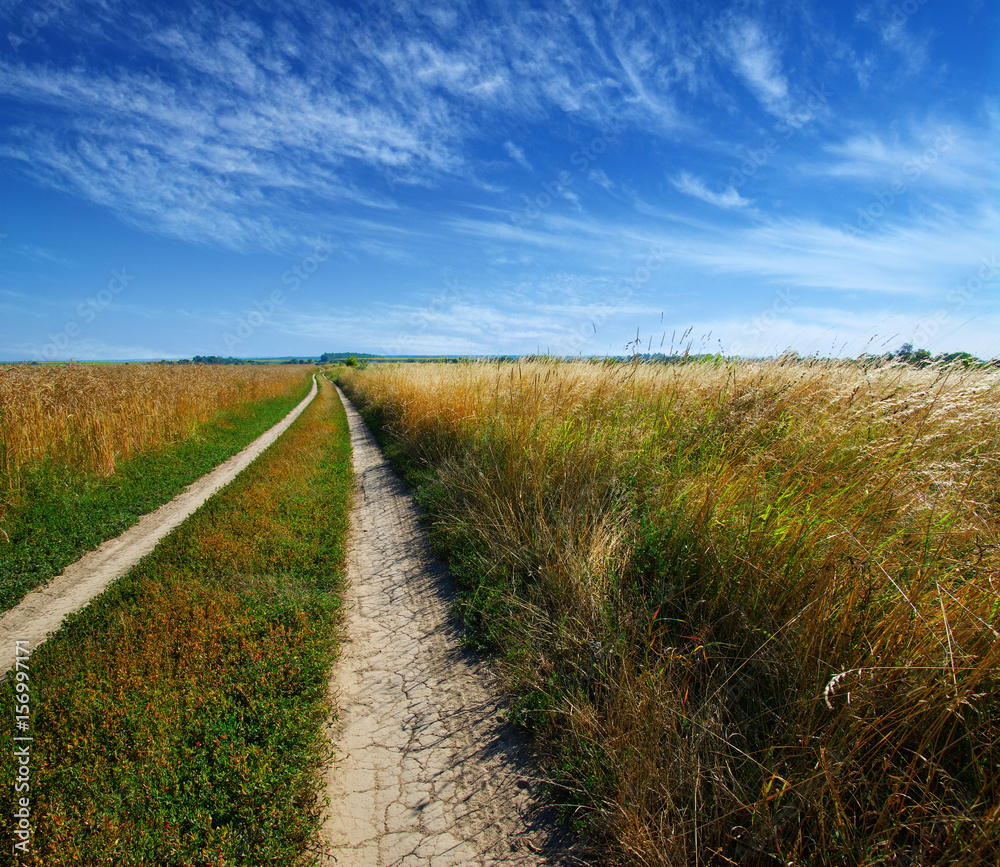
(749,609)
(87,449)
(177,718)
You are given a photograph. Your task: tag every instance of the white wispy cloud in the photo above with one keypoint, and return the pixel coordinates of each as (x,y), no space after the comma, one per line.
(231,130)
(225,127)
(516,154)
(692,186)
(896,34)
(915,258)
(757,60)
(600,177)
(948,154)
(36,253)
(556,313)
(918,260)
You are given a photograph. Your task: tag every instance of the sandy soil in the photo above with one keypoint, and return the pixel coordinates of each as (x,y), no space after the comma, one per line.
(42,611)
(427,770)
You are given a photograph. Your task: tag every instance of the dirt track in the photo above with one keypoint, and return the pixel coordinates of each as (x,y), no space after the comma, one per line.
(42,611)
(427,770)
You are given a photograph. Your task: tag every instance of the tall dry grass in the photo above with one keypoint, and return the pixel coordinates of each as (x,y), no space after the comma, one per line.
(751,608)
(87,416)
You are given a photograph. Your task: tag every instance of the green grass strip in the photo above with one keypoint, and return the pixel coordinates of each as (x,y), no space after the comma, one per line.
(65,513)
(177,719)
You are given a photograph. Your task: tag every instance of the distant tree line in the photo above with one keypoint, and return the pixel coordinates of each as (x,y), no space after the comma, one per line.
(923,358)
(215,359)
(218,359)
(333,357)
(906,354)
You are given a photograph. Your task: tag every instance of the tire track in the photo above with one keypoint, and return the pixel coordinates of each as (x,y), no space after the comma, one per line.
(42,611)
(428,772)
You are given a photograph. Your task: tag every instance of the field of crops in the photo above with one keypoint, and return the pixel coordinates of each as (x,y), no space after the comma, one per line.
(88,416)
(750,610)
(178,718)
(87,449)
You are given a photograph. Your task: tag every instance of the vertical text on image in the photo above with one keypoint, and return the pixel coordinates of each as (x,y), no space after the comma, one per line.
(22,746)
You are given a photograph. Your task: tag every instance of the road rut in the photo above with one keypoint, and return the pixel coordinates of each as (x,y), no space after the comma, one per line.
(42,611)
(427,770)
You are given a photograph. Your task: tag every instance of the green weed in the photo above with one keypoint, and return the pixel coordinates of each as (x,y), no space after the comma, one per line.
(178,718)
(747,608)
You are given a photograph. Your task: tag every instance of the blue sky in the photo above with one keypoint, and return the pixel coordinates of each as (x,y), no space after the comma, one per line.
(259,179)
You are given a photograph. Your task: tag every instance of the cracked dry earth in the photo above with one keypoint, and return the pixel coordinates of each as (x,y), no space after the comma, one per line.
(427,772)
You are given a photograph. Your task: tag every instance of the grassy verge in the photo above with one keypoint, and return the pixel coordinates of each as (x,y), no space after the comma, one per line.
(176,719)
(60,512)
(750,610)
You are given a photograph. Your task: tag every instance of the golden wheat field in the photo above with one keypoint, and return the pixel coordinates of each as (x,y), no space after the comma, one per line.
(750,608)
(88,416)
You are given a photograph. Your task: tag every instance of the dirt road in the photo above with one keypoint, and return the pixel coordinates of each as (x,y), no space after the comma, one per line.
(427,771)
(42,611)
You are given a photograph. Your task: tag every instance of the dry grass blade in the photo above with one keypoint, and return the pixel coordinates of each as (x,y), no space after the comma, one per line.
(685,564)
